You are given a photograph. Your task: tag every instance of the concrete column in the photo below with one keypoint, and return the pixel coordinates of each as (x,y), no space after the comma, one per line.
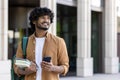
(4,30)
(4,62)
(0,28)
(84,60)
(51,4)
(111,59)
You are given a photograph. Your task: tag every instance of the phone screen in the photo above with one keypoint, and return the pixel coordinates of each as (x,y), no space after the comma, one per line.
(47,59)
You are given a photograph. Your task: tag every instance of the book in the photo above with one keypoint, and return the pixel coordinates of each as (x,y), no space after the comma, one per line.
(22,63)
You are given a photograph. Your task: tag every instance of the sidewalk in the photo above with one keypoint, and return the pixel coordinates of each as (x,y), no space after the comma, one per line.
(95,77)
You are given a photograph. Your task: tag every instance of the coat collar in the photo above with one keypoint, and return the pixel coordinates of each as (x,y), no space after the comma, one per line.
(33,35)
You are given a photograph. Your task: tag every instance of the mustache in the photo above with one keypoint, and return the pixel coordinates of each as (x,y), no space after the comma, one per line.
(46,23)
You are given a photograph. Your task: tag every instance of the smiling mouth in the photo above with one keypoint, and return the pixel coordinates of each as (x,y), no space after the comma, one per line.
(43,26)
(45,23)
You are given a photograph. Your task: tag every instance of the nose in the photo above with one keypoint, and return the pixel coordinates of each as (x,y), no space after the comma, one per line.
(46,19)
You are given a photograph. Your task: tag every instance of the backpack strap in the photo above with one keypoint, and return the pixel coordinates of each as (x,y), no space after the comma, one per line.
(24,45)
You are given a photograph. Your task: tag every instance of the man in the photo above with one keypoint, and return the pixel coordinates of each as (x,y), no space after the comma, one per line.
(43,44)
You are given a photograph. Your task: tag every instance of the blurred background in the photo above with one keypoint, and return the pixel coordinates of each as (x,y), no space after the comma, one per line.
(91,29)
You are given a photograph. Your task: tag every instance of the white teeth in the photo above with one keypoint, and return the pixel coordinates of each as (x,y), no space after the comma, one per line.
(45,24)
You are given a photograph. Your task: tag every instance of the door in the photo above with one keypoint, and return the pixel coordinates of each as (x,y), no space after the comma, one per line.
(96,41)
(67,29)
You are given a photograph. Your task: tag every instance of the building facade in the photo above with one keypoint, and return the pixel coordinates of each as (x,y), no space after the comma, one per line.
(89,27)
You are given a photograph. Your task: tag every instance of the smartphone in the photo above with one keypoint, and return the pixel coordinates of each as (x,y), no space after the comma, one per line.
(47,59)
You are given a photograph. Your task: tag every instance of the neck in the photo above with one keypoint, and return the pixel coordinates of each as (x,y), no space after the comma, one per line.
(40,33)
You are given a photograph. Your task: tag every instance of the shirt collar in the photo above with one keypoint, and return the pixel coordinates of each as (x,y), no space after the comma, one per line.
(45,35)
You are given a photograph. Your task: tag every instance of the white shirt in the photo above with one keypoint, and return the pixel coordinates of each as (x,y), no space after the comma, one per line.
(38,55)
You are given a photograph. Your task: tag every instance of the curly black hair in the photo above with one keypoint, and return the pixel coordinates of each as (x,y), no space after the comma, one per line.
(40,11)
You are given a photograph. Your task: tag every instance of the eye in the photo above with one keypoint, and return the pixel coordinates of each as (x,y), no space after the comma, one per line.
(42,17)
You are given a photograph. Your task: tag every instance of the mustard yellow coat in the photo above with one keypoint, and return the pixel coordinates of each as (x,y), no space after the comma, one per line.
(55,47)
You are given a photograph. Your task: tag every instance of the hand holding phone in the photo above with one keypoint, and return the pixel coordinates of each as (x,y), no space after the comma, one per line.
(47,59)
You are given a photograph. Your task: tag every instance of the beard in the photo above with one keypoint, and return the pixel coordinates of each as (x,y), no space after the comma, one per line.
(43,28)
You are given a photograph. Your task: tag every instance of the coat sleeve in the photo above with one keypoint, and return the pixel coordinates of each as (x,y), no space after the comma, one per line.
(63,59)
(19,54)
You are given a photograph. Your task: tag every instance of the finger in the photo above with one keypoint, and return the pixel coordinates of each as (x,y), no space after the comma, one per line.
(46,68)
(32,63)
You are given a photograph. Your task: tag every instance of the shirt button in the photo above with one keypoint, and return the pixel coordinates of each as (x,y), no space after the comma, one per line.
(34,77)
(33,51)
(33,42)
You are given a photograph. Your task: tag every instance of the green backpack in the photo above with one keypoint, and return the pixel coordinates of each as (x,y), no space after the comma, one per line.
(24,46)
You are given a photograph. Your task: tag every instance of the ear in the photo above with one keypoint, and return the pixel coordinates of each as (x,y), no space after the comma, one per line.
(34,22)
